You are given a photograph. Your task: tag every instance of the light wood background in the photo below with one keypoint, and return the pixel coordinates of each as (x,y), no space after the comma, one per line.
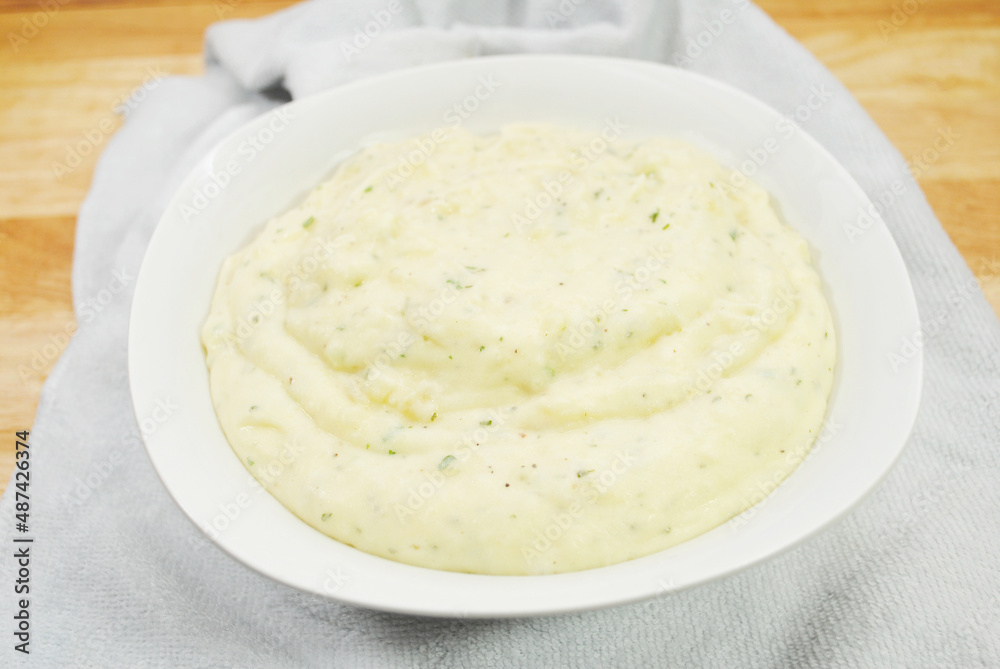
(916,73)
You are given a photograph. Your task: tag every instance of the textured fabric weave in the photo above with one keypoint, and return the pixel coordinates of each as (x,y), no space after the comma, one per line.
(121,579)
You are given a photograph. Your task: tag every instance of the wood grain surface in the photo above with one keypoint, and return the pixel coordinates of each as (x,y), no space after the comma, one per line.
(919,67)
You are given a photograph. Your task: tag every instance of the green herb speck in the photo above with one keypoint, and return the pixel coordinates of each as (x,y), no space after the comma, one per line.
(486,422)
(583,472)
(325,516)
(250,461)
(392,452)
(369,189)
(434,416)
(309,221)
(655,215)
(448,461)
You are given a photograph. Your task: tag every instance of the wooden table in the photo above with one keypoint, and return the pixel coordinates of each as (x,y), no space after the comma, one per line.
(919,69)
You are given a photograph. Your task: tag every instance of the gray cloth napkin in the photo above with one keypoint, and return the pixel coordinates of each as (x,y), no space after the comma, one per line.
(119,578)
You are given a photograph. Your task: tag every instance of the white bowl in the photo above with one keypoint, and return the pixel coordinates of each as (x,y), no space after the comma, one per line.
(281,155)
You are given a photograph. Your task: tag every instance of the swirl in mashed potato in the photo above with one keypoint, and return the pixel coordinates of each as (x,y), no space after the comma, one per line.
(523,355)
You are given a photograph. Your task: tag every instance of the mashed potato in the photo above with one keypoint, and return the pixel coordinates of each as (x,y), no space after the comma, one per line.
(532,352)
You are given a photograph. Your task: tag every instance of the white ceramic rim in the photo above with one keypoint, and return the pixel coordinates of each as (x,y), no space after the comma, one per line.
(873,407)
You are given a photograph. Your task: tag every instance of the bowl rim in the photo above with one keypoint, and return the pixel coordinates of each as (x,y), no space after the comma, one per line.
(434,602)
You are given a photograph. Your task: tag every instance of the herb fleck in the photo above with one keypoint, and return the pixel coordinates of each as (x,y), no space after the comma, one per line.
(325,516)
(250,461)
(583,472)
(392,452)
(448,461)
(655,215)
(369,189)
(434,416)
(309,221)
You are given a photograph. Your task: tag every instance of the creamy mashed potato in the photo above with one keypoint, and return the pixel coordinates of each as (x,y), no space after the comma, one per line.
(531,352)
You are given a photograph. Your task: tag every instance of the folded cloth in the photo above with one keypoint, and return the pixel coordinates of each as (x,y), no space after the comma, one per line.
(119,578)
